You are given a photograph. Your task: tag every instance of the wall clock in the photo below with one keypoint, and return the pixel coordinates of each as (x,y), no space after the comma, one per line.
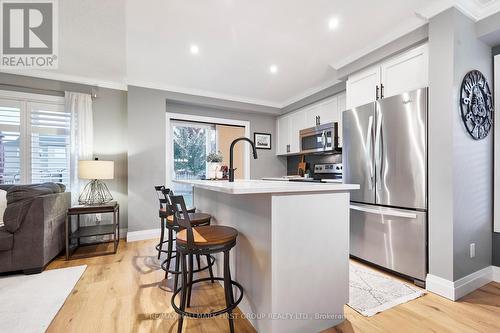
(476,105)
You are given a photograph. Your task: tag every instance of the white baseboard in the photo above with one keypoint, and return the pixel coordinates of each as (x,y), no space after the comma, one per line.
(495,276)
(454,290)
(440,286)
(473,281)
(133,236)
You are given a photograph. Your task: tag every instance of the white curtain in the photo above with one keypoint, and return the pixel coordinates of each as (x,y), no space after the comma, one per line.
(81,138)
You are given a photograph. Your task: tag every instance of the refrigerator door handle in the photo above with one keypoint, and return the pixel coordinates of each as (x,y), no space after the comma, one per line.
(384,211)
(369,151)
(378,151)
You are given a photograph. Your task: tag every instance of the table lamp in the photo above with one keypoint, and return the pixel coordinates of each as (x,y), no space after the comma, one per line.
(95,192)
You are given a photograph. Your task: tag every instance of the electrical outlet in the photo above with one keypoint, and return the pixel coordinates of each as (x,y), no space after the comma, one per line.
(98,218)
(472,250)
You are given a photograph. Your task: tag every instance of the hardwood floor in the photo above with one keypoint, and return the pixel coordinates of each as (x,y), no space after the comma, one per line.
(126,292)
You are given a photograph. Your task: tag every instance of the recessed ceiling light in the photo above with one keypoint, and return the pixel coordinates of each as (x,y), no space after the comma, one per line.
(333,23)
(194,49)
(273,69)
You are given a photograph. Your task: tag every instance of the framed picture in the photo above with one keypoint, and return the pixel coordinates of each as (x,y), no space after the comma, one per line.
(262,140)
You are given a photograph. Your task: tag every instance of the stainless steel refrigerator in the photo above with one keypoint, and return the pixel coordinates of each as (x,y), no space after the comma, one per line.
(385,151)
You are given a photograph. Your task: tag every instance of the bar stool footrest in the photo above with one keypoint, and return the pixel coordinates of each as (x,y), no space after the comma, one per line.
(157,247)
(210,314)
(199,269)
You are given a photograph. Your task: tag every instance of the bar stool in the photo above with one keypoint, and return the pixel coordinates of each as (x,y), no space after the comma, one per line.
(202,240)
(163,203)
(197,219)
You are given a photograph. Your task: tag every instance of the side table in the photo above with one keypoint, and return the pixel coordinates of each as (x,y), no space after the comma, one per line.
(93,230)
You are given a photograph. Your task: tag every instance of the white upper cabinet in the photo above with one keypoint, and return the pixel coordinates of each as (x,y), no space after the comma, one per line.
(328,111)
(289,126)
(362,87)
(287,131)
(312,112)
(282,131)
(404,72)
(297,123)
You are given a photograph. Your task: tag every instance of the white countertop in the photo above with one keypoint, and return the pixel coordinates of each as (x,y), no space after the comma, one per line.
(266,186)
(286,179)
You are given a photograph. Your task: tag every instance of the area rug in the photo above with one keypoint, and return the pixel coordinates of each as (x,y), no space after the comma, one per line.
(371,292)
(28,303)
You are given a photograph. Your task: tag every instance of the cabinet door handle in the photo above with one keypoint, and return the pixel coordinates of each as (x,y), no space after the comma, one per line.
(287,148)
(381,90)
(319,120)
(376,92)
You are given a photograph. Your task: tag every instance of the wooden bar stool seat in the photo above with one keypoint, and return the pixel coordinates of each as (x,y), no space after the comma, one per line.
(210,235)
(195,218)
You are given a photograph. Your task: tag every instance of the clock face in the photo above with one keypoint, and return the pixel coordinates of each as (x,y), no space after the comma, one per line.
(476,105)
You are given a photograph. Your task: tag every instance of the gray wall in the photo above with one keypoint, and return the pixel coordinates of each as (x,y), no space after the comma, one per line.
(441,50)
(110,125)
(473,161)
(460,168)
(111,141)
(147,156)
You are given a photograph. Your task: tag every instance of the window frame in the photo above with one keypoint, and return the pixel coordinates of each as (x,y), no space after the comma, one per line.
(26,102)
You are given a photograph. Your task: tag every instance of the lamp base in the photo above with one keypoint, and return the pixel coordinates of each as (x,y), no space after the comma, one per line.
(95,193)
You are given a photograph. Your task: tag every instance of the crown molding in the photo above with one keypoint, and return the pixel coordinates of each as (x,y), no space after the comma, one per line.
(308,93)
(474,9)
(68,78)
(203,93)
(392,36)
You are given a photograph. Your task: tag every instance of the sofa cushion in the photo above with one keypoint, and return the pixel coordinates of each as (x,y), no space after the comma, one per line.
(19,199)
(6,239)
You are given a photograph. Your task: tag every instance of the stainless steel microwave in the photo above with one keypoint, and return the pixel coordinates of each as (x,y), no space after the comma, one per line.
(323,138)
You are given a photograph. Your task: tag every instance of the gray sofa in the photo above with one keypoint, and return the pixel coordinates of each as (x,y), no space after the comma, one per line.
(33,233)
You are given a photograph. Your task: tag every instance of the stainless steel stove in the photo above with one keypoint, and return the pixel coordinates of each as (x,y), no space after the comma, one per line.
(325,171)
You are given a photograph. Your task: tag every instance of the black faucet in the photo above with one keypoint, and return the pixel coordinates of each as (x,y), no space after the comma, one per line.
(231,169)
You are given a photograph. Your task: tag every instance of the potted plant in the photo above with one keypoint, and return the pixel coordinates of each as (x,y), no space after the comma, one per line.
(214,163)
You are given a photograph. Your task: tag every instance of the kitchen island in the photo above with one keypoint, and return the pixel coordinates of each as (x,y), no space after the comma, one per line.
(292,252)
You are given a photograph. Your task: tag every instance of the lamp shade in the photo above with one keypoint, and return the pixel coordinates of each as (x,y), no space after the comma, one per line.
(96,169)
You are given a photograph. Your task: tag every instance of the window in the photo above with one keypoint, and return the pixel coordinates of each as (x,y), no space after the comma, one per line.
(34,139)
(191,143)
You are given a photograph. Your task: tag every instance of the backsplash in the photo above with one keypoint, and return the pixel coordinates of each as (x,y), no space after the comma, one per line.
(293,161)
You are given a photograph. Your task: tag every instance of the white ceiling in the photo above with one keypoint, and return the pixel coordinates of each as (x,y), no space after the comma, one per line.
(114,43)
(239,40)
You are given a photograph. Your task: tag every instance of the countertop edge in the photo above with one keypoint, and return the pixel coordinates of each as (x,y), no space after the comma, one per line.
(284,188)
